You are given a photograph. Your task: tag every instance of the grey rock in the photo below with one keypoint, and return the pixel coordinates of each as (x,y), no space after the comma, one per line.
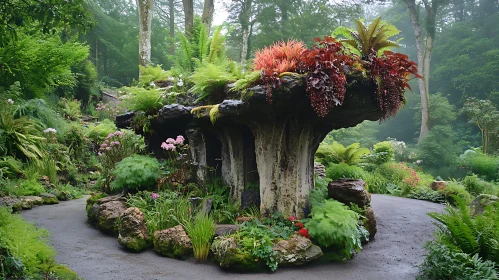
(173,242)
(133,233)
(370,223)
(296,250)
(225,229)
(438,185)
(349,191)
(319,170)
(482,201)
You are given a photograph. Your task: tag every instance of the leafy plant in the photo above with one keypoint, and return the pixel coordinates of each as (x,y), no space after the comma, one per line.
(149,74)
(383,152)
(337,153)
(333,224)
(324,65)
(140,99)
(201,230)
(98,133)
(70,108)
(135,173)
(210,79)
(371,38)
(28,187)
(342,170)
(425,193)
(485,166)
(455,189)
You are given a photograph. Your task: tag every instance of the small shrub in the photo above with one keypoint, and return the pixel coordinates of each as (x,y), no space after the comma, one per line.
(99,132)
(454,189)
(333,224)
(70,108)
(425,193)
(383,152)
(343,170)
(483,165)
(28,187)
(135,173)
(140,99)
(376,183)
(337,153)
(278,58)
(476,186)
(201,230)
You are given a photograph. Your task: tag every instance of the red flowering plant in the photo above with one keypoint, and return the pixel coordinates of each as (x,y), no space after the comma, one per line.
(274,60)
(324,66)
(299,226)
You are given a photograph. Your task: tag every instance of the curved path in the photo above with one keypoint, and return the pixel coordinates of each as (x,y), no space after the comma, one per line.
(403,228)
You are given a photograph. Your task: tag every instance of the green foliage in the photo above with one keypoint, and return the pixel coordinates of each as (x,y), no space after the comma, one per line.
(245,82)
(484,114)
(455,189)
(150,74)
(25,243)
(201,230)
(439,149)
(383,152)
(443,262)
(476,186)
(363,133)
(140,99)
(483,165)
(70,108)
(337,153)
(426,193)
(135,172)
(98,133)
(210,79)
(376,183)
(342,170)
(366,39)
(10,167)
(463,233)
(28,187)
(334,225)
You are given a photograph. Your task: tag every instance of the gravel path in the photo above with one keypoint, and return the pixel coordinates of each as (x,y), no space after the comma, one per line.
(403,228)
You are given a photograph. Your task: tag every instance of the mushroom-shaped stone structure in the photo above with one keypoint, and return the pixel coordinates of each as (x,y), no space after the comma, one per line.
(257,141)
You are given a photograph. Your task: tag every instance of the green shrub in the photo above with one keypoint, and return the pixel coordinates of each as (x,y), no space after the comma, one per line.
(135,172)
(376,183)
(337,153)
(201,230)
(483,165)
(98,133)
(444,263)
(476,186)
(343,170)
(426,193)
(28,187)
(25,243)
(140,99)
(150,74)
(334,225)
(75,140)
(454,189)
(70,108)
(383,152)
(10,167)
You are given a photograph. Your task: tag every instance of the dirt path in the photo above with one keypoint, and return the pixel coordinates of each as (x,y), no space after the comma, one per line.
(403,228)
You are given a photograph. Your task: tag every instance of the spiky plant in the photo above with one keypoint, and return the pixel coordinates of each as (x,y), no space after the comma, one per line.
(369,38)
(201,230)
(337,153)
(279,58)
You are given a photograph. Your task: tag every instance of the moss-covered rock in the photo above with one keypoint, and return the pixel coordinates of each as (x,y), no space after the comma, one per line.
(296,250)
(173,242)
(93,199)
(228,256)
(49,198)
(133,232)
(105,213)
(62,272)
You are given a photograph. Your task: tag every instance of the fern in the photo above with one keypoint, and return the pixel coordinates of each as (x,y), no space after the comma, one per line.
(333,224)
(337,153)
(217,49)
(210,79)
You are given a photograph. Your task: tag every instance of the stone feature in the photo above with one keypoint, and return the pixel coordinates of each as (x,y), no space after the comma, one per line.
(319,170)
(49,198)
(133,233)
(105,213)
(29,201)
(12,202)
(173,242)
(296,250)
(228,256)
(224,229)
(438,185)
(349,191)
(482,201)
(370,223)
(250,197)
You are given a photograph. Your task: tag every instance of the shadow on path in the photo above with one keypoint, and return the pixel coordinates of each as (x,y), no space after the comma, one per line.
(403,228)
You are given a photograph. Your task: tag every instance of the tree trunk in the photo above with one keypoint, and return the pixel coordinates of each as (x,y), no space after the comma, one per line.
(171,25)
(423,90)
(145,18)
(188,16)
(207,17)
(285,159)
(244,48)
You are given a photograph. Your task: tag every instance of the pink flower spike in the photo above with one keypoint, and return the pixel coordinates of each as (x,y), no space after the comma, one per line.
(170,141)
(180,140)
(163,146)
(154,196)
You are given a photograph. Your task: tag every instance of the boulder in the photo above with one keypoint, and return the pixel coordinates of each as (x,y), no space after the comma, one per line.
(29,201)
(319,170)
(105,213)
(349,191)
(133,233)
(482,201)
(225,229)
(173,242)
(49,198)
(370,222)
(229,256)
(296,250)
(438,185)
(14,203)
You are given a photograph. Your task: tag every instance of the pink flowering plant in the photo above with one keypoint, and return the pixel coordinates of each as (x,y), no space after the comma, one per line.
(177,159)
(117,146)
(109,110)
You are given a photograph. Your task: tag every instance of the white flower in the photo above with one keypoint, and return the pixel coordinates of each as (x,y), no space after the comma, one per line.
(180,83)
(10,101)
(50,130)
(152,84)
(171,78)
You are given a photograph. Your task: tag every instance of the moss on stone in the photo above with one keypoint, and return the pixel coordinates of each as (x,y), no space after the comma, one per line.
(50,200)
(63,272)
(93,199)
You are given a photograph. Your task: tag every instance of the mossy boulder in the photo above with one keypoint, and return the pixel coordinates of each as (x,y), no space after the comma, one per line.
(133,232)
(229,256)
(93,199)
(49,198)
(482,201)
(296,250)
(104,214)
(173,242)
(12,202)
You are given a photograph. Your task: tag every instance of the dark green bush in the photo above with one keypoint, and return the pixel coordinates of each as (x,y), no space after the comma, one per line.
(483,165)
(342,170)
(135,173)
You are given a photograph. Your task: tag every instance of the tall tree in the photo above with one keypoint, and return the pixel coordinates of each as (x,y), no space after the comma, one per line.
(145,8)
(208,11)
(243,13)
(188,16)
(425,37)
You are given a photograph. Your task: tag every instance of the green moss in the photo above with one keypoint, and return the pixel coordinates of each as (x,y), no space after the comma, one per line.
(50,200)
(93,199)
(136,244)
(172,250)
(63,272)
(233,258)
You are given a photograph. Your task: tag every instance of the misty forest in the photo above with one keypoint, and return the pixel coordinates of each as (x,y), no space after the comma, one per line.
(249,139)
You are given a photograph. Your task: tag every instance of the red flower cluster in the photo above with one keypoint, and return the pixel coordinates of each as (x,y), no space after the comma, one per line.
(302,230)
